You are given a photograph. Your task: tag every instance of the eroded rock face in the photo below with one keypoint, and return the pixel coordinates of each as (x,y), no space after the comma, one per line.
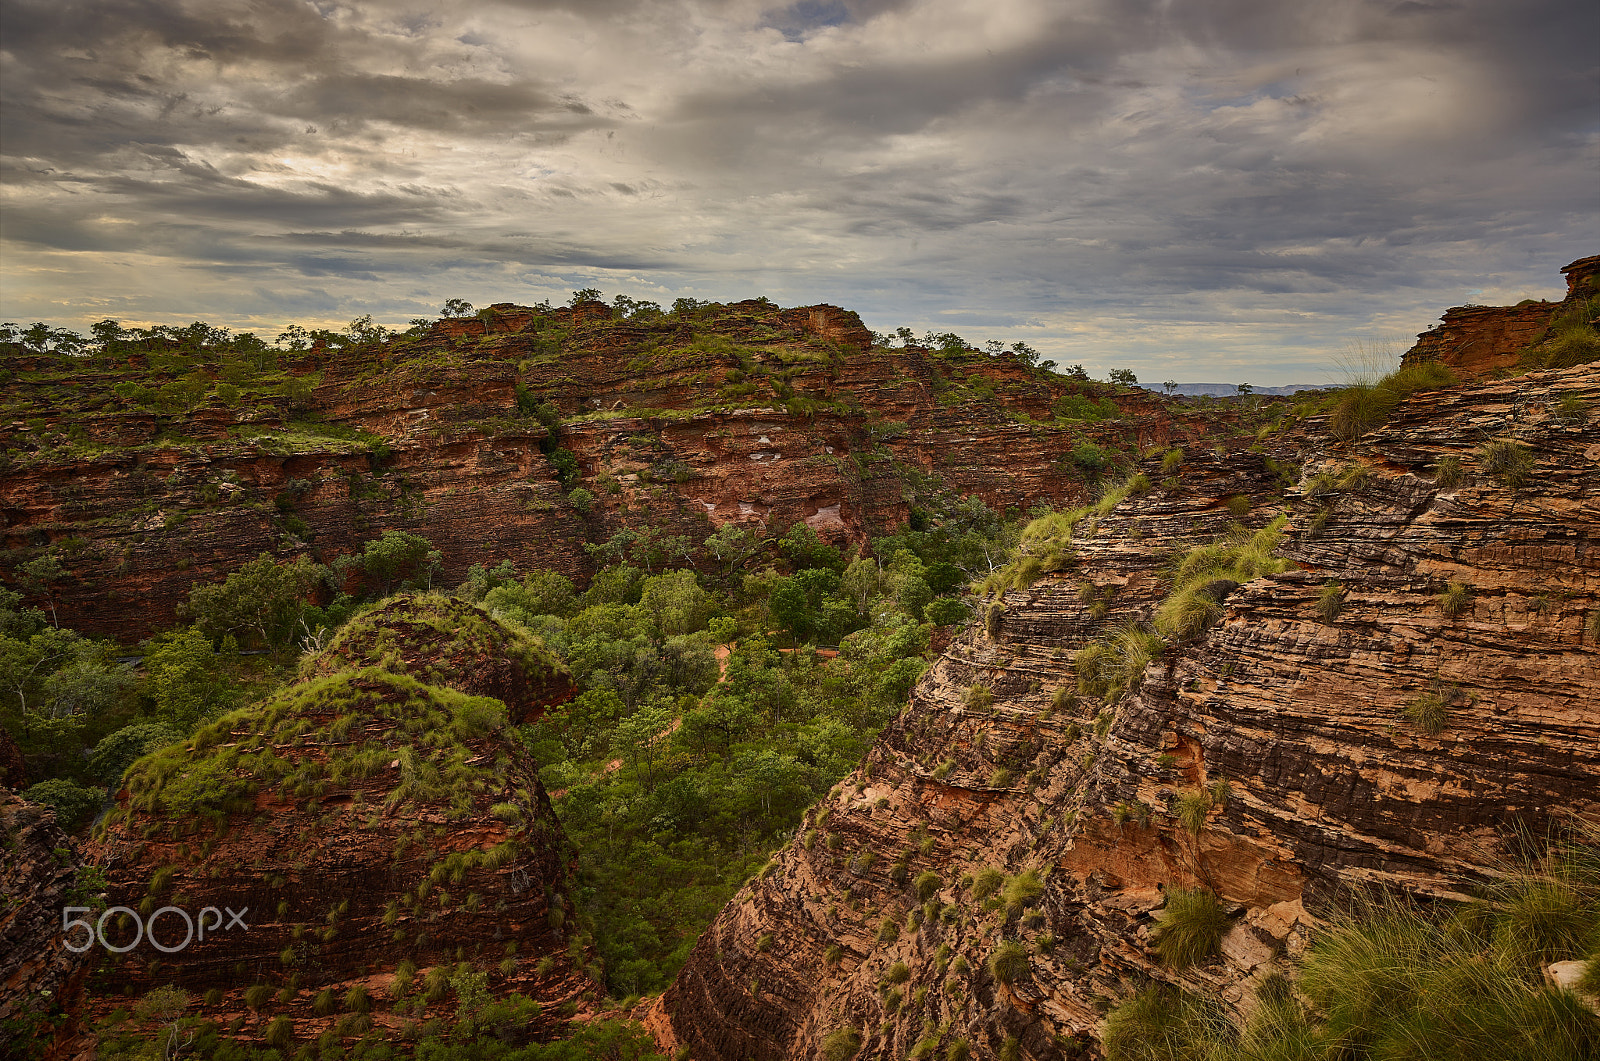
(1480,341)
(370,823)
(763,416)
(1290,729)
(13,771)
(41,980)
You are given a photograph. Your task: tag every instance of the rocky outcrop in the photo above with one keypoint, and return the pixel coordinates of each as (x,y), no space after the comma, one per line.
(41,979)
(386,837)
(1482,341)
(13,771)
(446,641)
(753,414)
(1417,687)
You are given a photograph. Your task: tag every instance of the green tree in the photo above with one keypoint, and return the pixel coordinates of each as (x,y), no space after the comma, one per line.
(263,600)
(184,677)
(117,751)
(539,593)
(675,603)
(74,804)
(40,576)
(399,557)
(642,736)
(1123,376)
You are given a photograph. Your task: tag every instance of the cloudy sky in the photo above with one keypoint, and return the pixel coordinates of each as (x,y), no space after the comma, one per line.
(1197,189)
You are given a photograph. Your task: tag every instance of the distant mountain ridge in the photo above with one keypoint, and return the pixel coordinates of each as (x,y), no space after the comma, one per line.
(1230,389)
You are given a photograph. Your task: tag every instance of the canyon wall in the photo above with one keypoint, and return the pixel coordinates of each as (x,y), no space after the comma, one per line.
(1346,723)
(759,416)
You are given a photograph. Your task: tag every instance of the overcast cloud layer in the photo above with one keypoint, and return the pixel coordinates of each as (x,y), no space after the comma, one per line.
(1201,190)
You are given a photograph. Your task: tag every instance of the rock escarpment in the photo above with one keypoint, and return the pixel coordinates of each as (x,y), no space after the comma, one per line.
(1417,683)
(41,979)
(386,834)
(1481,341)
(145,475)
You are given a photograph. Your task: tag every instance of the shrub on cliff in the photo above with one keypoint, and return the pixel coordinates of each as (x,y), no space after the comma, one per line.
(73,803)
(1189,927)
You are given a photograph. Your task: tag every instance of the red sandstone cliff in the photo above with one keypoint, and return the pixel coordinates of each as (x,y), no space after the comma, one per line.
(383,833)
(1481,341)
(1325,784)
(760,414)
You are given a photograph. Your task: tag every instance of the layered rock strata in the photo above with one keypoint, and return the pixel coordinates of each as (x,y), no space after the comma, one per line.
(1354,721)
(385,836)
(759,416)
(1481,341)
(41,978)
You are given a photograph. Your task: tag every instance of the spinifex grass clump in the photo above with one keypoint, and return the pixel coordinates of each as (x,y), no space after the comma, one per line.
(1365,405)
(1510,462)
(1455,599)
(1571,340)
(1044,546)
(1009,961)
(1113,665)
(1190,927)
(1330,601)
(1163,1023)
(1395,980)
(1205,574)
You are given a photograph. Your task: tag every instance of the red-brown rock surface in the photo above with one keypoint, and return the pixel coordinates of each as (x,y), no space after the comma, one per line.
(1480,341)
(758,414)
(1328,785)
(41,980)
(368,822)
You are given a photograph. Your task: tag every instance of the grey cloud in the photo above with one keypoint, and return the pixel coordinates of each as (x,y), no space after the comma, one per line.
(468,106)
(1220,181)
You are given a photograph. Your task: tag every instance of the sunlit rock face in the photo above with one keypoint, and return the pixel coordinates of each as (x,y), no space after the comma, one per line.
(1478,342)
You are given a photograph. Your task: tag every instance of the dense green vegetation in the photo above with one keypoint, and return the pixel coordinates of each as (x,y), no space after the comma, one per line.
(678,777)
(676,773)
(1399,982)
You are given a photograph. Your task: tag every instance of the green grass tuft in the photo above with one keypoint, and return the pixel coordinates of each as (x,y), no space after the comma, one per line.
(841,1044)
(1189,927)
(1510,461)
(1330,601)
(1456,598)
(1009,961)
